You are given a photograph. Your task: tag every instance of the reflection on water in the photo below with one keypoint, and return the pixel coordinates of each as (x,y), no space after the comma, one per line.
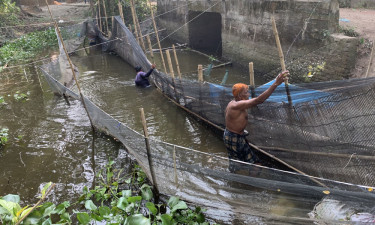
(48,140)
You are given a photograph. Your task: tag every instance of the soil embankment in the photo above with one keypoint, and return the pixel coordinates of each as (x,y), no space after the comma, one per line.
(361,21)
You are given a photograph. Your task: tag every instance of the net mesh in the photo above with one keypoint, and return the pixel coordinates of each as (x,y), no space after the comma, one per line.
(325,132)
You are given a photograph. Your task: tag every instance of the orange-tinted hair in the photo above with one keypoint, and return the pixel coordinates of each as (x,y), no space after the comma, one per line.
(238,88)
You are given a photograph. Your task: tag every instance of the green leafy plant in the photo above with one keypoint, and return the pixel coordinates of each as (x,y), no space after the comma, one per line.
(106,203)
(21,96)
(26,47)
(7,6)
(2,101)
(12,213)
(3,136)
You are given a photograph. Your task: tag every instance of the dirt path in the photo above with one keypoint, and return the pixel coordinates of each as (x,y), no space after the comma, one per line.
(61,13)
(361,21)
(66,12)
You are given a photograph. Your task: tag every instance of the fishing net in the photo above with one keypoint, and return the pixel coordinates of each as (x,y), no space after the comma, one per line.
(325,133)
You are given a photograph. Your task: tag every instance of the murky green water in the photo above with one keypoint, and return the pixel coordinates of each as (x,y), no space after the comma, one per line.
(48,140)
(51,140)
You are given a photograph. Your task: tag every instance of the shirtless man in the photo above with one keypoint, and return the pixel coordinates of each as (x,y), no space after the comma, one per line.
(236,119)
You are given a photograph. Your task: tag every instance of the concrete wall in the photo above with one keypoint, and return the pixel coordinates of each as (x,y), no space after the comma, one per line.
(246,30)
(357,4)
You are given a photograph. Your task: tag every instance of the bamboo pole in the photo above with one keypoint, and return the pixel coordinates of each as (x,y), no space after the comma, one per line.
(200,73)
(130,28)
(150,47)
(252,80)
(121,11)
(174,165)
(138,27)
(71,65)
(105,15)
(100,17)
(371,57)
(140,32)
(157,35)
(134,21)
(149,151)
(170,63)
(281,55)
(177,64)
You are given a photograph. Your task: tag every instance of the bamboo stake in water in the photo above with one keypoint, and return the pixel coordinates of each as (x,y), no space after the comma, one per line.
(130,28)
(150,47)
(177,64)
(148,151)
(105,15)
(121,11)
(281,55)
(134,22)
(174,165)
(170,63)
(71,65)
(138,28)
(100,17)
(371,57)
(157,36)
(200,73)
(252,80)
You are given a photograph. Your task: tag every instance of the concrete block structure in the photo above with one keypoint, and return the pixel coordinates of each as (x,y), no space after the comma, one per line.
(241,30)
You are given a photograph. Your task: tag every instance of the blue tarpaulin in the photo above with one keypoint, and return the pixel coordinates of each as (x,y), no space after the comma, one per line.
(298,94)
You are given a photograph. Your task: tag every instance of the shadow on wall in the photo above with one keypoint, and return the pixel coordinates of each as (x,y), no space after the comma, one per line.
(205,32)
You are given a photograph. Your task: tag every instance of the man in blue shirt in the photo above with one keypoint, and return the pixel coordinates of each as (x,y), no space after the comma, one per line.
(141,79)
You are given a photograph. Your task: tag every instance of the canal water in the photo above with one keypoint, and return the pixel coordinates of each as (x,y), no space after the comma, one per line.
(50,139)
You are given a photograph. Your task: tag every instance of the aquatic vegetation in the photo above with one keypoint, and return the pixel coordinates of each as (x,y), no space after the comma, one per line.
(3,136)
(106,203)
(21,96)
(26,47)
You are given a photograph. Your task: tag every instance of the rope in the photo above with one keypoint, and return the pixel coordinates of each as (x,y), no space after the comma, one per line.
(349,160)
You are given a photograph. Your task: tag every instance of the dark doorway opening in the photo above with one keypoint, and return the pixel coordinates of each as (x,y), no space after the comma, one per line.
(205,32)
